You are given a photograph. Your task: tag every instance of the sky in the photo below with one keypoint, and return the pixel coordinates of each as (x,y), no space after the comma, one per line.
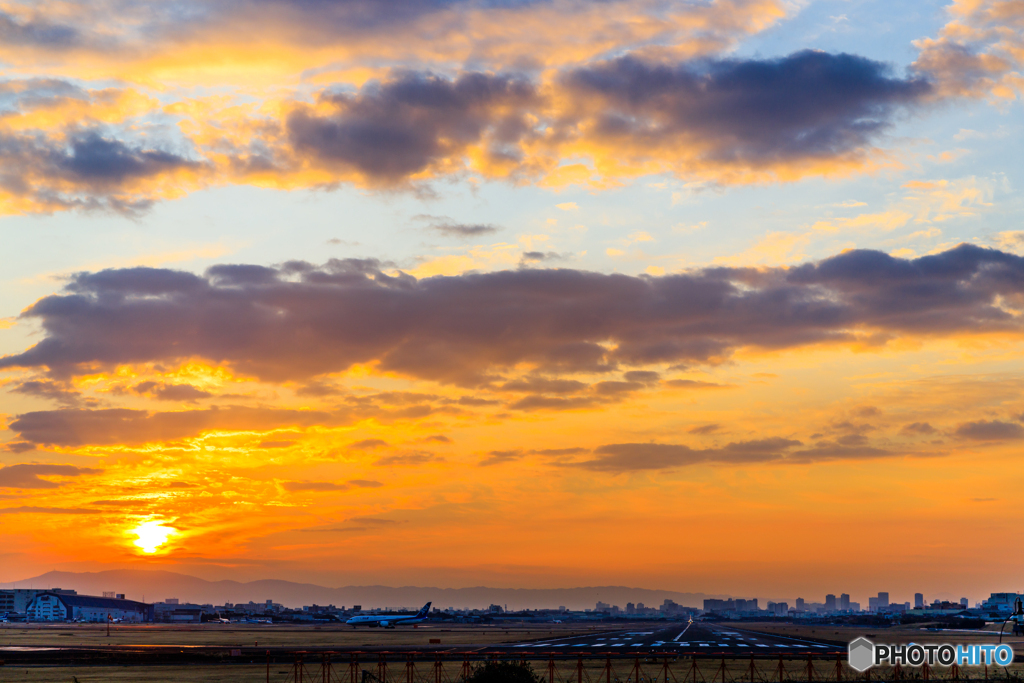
(716,296)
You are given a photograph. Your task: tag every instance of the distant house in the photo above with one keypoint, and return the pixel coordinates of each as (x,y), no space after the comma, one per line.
(90,608)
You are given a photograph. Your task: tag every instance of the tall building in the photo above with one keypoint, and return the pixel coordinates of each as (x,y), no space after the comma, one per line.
(844,602)
(830,603)
(883,600)
(918,601)
(964,602)
(746,605)
(800,604)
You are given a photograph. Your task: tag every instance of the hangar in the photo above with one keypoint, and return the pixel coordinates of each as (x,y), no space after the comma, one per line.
(90,608)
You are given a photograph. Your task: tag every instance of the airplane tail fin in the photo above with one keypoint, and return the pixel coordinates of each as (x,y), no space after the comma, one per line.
(423,612)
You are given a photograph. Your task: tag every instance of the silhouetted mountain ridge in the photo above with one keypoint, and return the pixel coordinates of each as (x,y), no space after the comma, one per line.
(157,585)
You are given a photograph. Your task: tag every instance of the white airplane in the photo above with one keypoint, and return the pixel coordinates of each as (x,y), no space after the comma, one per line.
(390,620)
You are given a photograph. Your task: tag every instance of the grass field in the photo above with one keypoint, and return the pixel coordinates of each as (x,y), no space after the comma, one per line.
(277,635)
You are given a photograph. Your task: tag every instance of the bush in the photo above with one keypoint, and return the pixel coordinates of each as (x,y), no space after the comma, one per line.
(504,672)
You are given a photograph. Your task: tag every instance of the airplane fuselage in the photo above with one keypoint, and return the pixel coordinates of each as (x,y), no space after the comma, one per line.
(389,620)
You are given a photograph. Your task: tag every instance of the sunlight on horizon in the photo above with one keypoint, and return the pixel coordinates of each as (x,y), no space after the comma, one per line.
(152,535)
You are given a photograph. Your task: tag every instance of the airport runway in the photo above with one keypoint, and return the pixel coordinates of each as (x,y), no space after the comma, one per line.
(697,638)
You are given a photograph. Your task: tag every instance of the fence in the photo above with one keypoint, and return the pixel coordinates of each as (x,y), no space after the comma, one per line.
(611,668)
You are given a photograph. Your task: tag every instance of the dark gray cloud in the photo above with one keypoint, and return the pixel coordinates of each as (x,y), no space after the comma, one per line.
(77,427)
(38,32)
(32,510)
(530,258)
(298,321)
(694,384)
(408,459)
(30,476)
(367,444)
(544,385)
(390,131)
(807,105)
(298,486)
(615,388)
(101,161)
(365,483)
(501,457)
(705,429)
(321,22)
(531,403)
(635,457)
(631,457)
(48,389)
(20,96)
(372,521)
(825,451)
(748,113)
(319,389)
(476,402)
(87,171)
(171,392)
(642,376)
(918,428)
(994,430)
(556,452)
(464,230)
(752,113)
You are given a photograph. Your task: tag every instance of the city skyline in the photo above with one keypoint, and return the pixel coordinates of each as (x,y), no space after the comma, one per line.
(707,295)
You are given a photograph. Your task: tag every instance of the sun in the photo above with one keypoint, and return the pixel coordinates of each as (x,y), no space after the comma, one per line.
(152,535)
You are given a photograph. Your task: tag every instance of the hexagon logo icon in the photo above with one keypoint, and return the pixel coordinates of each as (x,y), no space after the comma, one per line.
(861,654)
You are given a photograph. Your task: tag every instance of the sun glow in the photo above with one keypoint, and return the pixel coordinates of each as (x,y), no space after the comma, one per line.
(152,535)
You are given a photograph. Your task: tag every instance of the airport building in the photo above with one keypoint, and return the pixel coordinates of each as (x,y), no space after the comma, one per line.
(16,600)
(1000,602)
(50,606)
(173,610)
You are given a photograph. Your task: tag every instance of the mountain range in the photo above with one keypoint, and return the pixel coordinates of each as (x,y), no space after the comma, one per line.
(155,586)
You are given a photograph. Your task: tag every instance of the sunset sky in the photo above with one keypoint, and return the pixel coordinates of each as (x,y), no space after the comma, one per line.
(721,295)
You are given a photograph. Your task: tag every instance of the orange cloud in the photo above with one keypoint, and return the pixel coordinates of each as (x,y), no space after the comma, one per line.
(978,53)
